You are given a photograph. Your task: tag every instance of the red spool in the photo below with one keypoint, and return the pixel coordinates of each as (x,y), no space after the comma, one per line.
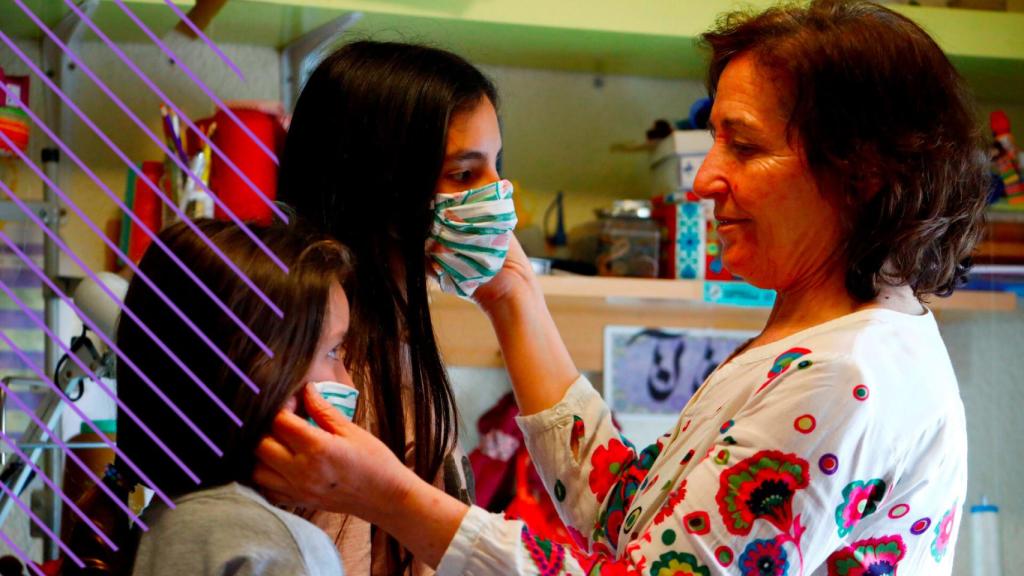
(247,155)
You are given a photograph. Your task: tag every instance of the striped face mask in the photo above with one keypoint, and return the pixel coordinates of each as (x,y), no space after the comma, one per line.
(469,241)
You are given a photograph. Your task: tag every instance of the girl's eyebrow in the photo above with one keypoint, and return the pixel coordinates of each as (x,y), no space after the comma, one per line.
(463,155)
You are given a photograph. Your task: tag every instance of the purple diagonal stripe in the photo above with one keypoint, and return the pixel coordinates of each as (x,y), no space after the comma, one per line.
(125,310)
(160,93)
(55,438)
(99,382)
(145,129)
(56,489)
(20,554)
(42,525)
(131,166)
(32,249)
(7,358)
(202,85)
(12,319)
(210,43)
(138,221)
(145,278)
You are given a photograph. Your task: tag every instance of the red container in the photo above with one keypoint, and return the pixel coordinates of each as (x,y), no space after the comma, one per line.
(250,158)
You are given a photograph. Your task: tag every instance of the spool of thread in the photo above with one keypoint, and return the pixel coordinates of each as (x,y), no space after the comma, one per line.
(147,207)
(986,555)
(14,124)
(250,159)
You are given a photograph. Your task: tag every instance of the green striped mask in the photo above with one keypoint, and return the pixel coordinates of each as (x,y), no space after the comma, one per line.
(469,241)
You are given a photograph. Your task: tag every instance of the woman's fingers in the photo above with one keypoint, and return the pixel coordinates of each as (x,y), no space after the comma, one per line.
(293,432)
(270,479)
(274,454)
(279,498)
(321,411)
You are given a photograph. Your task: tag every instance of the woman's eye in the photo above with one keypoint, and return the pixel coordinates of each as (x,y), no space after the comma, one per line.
(334,353)
(744,149)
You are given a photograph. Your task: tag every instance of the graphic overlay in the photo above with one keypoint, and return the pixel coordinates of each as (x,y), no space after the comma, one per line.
(21,456)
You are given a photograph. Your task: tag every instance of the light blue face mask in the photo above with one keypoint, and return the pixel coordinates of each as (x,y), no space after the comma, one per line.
(471,234)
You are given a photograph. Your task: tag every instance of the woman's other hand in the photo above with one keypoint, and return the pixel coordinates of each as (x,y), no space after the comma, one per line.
(342,468)
(338,467)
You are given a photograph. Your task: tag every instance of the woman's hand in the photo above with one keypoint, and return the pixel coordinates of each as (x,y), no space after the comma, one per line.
(516,279)
(338,467)
(342,468)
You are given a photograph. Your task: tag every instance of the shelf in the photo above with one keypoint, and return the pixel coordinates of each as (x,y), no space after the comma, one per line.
(652,38)
(583,306)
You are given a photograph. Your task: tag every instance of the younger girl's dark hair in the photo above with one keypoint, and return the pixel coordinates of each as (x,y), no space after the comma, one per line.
(361,161)
(315,262)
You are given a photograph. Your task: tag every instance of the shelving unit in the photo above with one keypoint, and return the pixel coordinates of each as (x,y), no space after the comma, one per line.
(652,38)
(583,306)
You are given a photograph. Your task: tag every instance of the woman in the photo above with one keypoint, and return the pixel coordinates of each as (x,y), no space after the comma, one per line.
(219,524)
(845,176)
(380,130)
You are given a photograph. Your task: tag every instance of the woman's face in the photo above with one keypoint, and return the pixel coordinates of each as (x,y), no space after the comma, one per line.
(777,228)
(328,361)
(472,150)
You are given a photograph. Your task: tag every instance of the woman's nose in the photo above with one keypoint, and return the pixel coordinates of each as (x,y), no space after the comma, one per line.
(710,179)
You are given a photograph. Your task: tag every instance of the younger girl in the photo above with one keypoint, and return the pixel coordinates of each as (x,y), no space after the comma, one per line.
(219,525)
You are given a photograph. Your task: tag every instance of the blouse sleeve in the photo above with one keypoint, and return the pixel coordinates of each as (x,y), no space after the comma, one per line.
(786,481)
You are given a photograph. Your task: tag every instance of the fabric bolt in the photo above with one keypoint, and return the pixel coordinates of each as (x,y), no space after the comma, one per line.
(231,529)
(837,451)
(470,236)
(14,124)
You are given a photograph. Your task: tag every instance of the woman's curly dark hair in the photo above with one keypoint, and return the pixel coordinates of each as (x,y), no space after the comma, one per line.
(879,108)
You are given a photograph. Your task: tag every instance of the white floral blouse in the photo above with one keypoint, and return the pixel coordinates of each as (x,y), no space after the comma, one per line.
(840,450)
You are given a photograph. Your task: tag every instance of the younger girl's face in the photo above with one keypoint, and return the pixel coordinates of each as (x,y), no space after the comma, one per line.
(472,150)
(328,361)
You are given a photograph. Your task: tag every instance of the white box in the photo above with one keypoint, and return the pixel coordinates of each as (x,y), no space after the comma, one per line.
(676,159)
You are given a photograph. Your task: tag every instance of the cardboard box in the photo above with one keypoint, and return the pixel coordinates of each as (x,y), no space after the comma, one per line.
(676,159)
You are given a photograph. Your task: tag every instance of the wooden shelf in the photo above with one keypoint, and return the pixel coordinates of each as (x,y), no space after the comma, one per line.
(583,306)
(651,38)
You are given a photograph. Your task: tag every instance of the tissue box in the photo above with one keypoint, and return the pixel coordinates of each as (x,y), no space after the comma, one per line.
(676,159)
(683,236)
(689,246)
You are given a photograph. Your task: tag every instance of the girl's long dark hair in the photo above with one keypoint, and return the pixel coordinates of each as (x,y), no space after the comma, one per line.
(361,161)
(315,264)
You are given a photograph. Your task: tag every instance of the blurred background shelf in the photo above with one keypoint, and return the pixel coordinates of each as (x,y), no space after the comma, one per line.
(655,38)
(583,306)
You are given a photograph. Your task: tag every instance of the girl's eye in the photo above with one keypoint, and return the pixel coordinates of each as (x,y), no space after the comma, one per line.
(461,176)
(334,353)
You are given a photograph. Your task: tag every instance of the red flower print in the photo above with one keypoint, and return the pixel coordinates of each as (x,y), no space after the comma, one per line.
(761,486)
(674,498)
(614,568)
(764,558)
(576,437)
(871,557)
(609,462)
(624,491)
(577,537)
(860,499)
(547,556)
(943,532)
